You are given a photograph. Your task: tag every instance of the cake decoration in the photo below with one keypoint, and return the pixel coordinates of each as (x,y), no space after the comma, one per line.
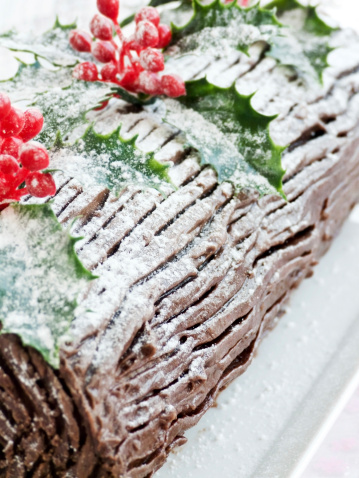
(221,124)
(21,161)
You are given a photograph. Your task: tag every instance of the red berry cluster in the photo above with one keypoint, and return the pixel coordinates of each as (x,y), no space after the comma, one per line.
(21,161)
(133,63)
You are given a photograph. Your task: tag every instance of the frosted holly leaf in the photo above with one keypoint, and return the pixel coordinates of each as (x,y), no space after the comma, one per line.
(41,278)
(110,161)
(52,46)
(32,79)
(230,135)
(64,109)
(62,100)
(304,44)
(220,29)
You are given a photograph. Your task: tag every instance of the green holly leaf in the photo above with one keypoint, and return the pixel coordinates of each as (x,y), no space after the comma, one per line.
(41,278)
(230,135)
(52,46)
(304,45)
(33,79)
(220,29)
(65,109)
(110,161)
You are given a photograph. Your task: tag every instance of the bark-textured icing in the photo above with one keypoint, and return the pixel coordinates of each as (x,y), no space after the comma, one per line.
(189,284)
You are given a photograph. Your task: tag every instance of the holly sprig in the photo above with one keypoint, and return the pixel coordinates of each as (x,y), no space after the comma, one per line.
(229,114)
(40,278)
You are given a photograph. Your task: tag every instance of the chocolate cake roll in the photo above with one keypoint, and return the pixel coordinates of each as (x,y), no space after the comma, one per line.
(188,286)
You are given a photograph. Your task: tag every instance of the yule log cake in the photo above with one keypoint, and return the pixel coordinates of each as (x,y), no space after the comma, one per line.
(192,227)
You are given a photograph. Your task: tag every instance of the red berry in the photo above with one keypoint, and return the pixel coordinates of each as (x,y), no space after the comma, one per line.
(131,44)
(5,105)
(5,185)
(13,123)
(149,83)
(146,34)
(152,60)
(148,13)
(8,164)
(101,27)
(129,78)
(172,86)
(40,185)
(80,40)
(109,72)
(34,122)
(104,51)
(34,157)
(86,71)
(165,36)
(11,146)
(109,8)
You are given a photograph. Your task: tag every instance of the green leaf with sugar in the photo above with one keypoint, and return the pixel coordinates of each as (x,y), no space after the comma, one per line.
(220,29)
(32,79)
(63,101)
(52,45)
(65,109)
(41,278)
(304,44)
(230,135)
(110,161)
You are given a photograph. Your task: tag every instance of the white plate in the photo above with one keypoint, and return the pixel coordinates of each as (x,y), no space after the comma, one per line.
(269,422)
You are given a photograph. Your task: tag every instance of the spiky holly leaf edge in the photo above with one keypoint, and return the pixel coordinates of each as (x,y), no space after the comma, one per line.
(86,144)
(202,87)
(80,272)
(180,32)
(313,24)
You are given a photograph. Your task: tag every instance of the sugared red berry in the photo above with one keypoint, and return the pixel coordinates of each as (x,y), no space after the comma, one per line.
(8,164)
(34,121)
(13,123)
(132,62)
(164,36)
(149,83)
(40,185)
(104,51)
(129,78)
(109,72)
(148,13)
(5,105)
(146,34)
(80,40)
(131,44)
(109,8)
(152,60)
(101,27)
(11,146)
(172,86)
(34,157)
(5,185)
(86,71)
